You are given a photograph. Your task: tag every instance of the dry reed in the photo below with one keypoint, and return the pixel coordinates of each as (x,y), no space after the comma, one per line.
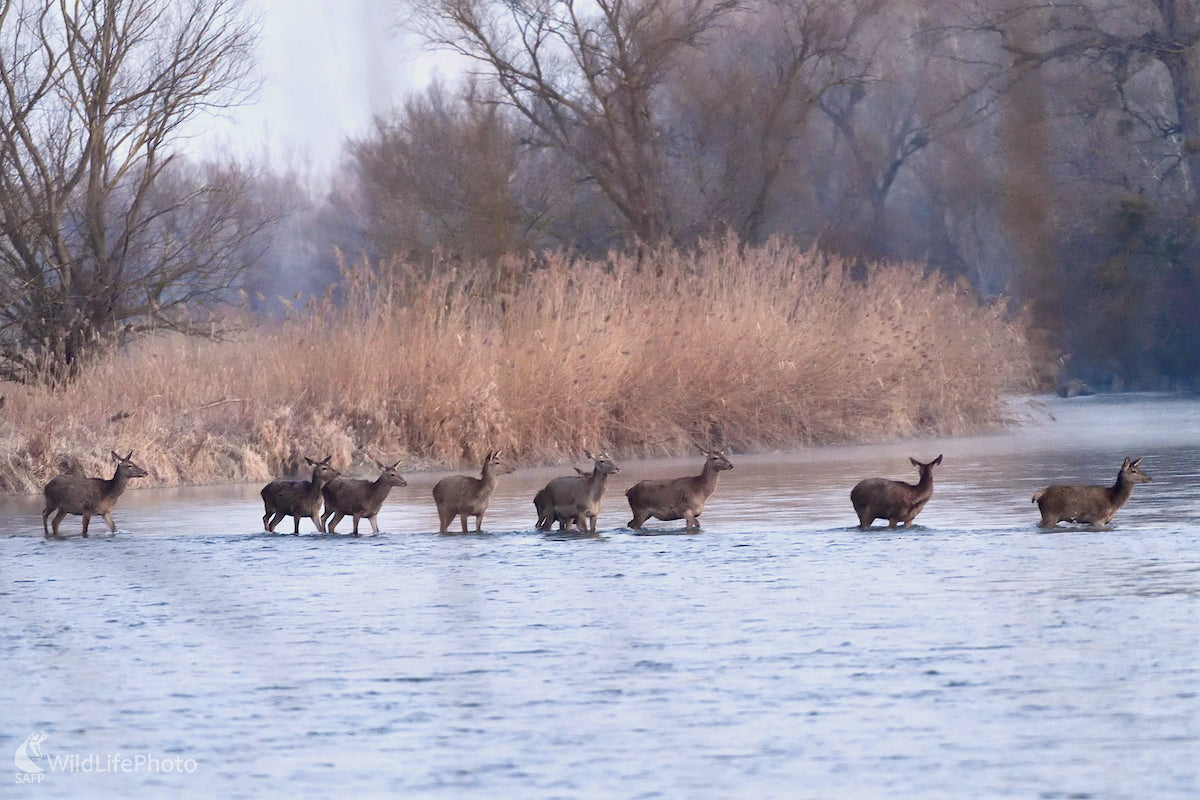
(748,348)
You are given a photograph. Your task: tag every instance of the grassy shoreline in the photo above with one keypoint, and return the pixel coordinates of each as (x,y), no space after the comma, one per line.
(749,348)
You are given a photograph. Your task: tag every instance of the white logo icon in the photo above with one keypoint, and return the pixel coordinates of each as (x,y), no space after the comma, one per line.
(30,751)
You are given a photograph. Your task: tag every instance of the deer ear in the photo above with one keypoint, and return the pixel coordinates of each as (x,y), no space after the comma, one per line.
(1126,464)
(936,461)
(915,463)
(1136,461)
(114,455)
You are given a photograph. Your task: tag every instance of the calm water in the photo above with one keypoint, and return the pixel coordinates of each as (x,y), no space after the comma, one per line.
(779,653)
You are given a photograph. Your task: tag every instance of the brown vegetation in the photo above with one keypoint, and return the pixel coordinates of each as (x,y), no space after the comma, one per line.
(750,348)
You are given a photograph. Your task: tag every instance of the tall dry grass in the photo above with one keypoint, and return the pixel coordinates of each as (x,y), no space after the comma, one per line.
(755,348)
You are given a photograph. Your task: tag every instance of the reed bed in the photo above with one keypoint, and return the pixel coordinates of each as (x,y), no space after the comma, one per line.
(746,348)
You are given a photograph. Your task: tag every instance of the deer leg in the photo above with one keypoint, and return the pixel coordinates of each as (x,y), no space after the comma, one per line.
(57,519)
(274,521)
(374,525)
(45,521)
(464,523)
(296,524)
(357,517)
(639,519)
(478,522)
(86,519)
(112,526)
(331,526)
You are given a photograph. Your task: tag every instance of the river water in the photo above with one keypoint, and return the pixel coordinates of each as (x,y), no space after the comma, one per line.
(779,653)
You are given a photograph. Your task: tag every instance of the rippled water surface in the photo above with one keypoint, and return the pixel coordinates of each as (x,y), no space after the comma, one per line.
(779,653)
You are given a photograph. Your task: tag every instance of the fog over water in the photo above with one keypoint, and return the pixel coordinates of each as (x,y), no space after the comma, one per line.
(780,652)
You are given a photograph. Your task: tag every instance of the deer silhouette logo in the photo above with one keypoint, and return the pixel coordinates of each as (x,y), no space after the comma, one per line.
(29,752)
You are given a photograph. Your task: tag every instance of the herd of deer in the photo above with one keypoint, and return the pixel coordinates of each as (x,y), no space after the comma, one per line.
(573,501)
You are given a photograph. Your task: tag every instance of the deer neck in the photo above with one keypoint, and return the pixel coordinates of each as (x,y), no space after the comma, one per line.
(599,480)
(381,487)
(487,479)
(1119,492)
(707,479)
(117,483)
(923,488)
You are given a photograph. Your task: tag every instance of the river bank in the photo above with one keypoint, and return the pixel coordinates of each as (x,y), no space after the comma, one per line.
(750,348)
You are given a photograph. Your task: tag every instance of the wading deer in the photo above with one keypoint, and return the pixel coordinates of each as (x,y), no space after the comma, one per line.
(679,498)
(463,496)
(296,499)
(359,498)
(895,501)
(543,502)
(575,499)
(1091,504)
(69,494)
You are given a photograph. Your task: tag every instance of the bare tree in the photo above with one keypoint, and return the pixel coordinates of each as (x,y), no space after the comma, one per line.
(742,108)
(443,172)
(103,233)
(584,74)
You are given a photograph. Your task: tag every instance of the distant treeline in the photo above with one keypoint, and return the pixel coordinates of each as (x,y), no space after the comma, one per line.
(1048,153)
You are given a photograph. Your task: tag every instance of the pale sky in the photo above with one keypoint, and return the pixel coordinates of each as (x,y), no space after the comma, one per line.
(327,66)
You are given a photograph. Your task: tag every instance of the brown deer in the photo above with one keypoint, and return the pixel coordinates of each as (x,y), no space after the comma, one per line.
(543,502)
(895,501)
(1091,504)
(463,496)
(679,498)
(359,498)
(575,499)
(296,499)
(70,494)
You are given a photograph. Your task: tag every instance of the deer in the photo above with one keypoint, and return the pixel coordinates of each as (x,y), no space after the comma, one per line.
(677,498)
(464,496)
(71,494)
(575,499)
(543,502)
(359,498)
(1090,504)
(296,499)
(895,501)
